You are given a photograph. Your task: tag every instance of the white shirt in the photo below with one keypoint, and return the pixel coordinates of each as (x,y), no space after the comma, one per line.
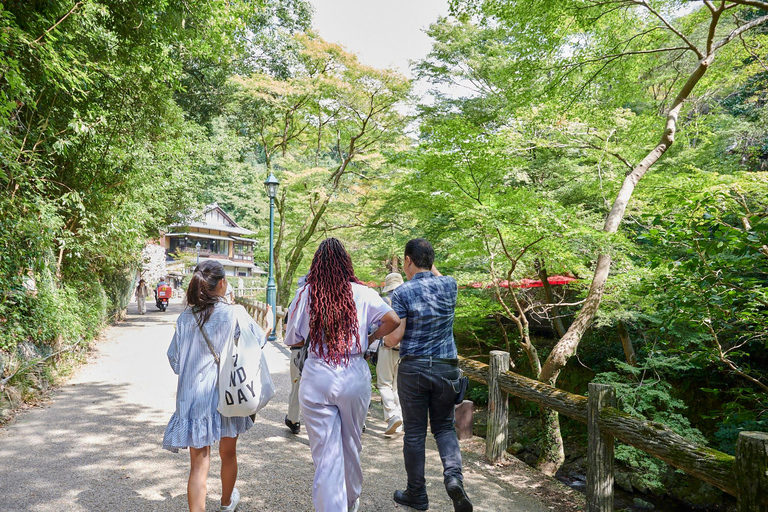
(370,309)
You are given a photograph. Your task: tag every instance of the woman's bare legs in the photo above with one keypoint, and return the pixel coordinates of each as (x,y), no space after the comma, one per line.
(228,453)
(197,486)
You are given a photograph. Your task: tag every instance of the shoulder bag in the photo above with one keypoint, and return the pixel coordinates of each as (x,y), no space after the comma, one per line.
(245,385)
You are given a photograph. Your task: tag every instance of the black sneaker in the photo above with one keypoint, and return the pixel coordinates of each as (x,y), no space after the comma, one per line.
(294,427)
(409,500)
(455,489)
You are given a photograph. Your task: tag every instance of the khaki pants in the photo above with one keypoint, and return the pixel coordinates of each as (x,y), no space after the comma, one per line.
(142,303)
(293,396)
(386,381)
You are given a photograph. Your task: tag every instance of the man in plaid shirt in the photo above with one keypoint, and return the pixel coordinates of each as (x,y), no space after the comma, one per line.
(428,379)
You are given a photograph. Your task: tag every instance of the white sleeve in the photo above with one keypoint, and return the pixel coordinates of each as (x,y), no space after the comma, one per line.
(297,329)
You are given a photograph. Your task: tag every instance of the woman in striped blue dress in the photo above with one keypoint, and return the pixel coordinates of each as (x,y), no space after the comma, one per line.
(197,424)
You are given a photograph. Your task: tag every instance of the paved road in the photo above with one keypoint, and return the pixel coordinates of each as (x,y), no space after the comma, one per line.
(96,446)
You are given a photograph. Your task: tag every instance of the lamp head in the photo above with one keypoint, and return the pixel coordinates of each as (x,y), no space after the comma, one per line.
(271,185)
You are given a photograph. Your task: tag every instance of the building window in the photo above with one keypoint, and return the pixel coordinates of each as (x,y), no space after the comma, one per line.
(207,246)
(243,252)
(178,245)
(214,246)
(243,248)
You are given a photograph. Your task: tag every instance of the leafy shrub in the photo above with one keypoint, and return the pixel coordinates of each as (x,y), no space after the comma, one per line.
(478,393)
(728,431)
(69,313)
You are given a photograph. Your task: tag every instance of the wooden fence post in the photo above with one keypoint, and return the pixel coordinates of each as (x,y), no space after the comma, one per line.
(752,471)
(599,451)
(498,405)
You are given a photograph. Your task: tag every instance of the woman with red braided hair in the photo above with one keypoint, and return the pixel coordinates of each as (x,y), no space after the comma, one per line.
(333,312)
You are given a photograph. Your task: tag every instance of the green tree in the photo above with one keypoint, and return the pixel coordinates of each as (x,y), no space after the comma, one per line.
(322,132)
(96,152)
(567,65)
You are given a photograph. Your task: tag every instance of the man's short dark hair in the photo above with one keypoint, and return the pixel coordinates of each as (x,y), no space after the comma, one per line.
(421,252)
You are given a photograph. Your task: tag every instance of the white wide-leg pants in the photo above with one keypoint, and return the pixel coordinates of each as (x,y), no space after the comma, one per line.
(386,381)
(334,403)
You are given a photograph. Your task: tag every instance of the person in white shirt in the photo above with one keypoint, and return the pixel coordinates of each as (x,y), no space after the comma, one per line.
(229,295)
(141,293)
(386,369)
(292,418)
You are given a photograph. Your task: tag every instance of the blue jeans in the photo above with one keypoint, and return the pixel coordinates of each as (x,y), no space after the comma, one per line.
(428,390)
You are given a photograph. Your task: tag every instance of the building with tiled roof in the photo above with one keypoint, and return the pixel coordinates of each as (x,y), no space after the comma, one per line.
(220,238)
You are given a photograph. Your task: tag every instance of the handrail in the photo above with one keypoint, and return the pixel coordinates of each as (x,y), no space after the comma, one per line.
(249,292)
(711,466)
(258,310)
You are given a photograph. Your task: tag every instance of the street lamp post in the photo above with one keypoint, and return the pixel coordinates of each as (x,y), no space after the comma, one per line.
(271,185)
(197,246)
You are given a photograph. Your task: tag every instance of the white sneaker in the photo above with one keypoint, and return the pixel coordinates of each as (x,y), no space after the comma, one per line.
(394,423)
(355,507)
(234,500)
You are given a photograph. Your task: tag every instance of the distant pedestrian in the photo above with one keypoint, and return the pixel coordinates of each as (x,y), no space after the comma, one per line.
(230,293)
(428,378)
(292,418)
(333,313)
(387,366)
(197,424)
(141,294)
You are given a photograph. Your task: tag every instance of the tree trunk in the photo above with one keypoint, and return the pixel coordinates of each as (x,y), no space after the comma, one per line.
(552,451)
(297,253)
(568,344)
(282,286)
(393,265)
(551,443)
(626,343)
(557,320)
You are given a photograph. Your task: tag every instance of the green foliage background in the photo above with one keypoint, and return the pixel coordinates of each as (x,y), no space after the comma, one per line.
(118,118)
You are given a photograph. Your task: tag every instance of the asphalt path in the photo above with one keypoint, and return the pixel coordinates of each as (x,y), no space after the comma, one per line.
(95,446)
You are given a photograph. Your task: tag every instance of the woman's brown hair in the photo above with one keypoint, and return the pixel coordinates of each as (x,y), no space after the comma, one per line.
(201,294)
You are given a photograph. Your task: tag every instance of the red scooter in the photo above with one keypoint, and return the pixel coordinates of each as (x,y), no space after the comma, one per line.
(162,296)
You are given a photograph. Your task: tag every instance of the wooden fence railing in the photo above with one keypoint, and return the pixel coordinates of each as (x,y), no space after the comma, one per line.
(744,476)
(258,310)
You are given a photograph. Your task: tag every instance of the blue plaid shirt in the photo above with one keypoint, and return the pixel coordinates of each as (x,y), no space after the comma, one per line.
(427,303)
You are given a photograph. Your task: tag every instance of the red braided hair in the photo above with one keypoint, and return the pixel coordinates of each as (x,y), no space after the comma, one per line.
(332,313)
